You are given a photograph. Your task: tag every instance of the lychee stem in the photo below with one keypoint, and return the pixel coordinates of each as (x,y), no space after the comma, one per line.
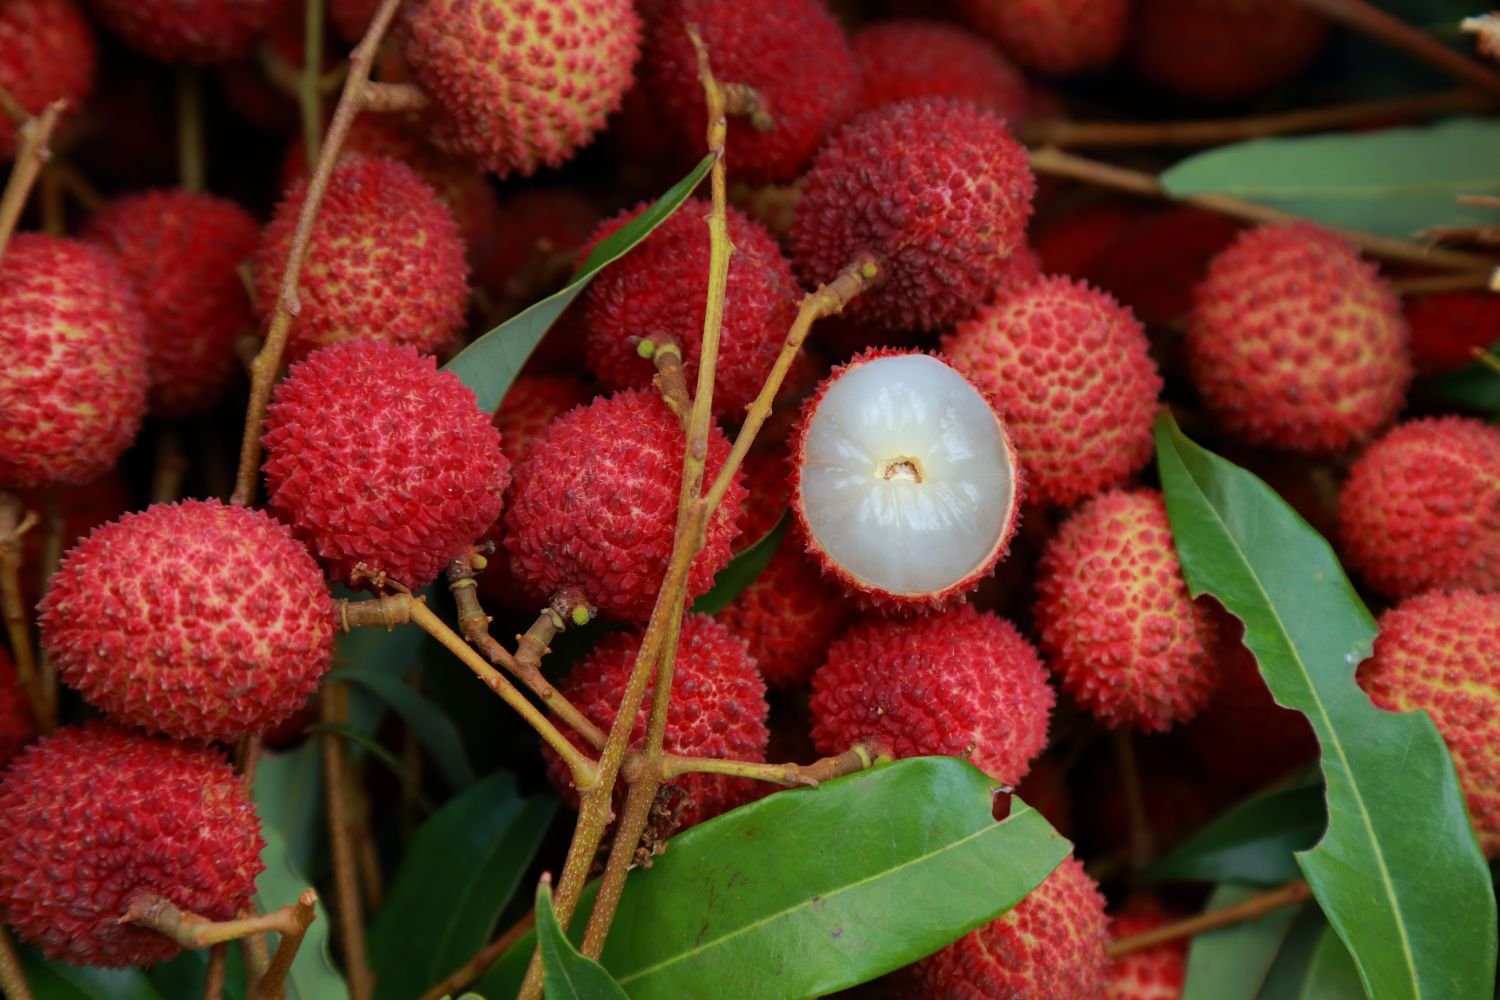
(309,93)
(12,976)
(192,930)
(213,978)
(31,152)
(14,523)
(671,380)
(333,704)
(389,97)
(744,101)
(1135,799)
(191,171)
(1251,908)
(1383,27)
(171,466)
(11,108)
(856,758)
(272,985)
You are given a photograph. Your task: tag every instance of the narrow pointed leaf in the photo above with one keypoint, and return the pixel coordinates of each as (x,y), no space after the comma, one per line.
(741,571)
(1331,974)
(58,981)
(569,975)
(1231,963)
(1252,842)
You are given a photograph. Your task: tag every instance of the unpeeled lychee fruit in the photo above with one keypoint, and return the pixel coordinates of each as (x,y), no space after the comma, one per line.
(17,727)
(902,60)
(1447,327)
(960,682)
(385,263)
(1159,259)
(594,506)
(937,190)
(520,86)
(1296,342)
(1051,946)
(905,484)
(1116,619)
(1436,653)
(718,709)
(1223,50)
(530,405)
(535,247)
(1052,37)
(401,489)
(181,252)
(46,53)
(94,817)
(788,614)
(1154,973)
(1071,370)
(197,620)
(73,381)
(200,32)
(1421,508)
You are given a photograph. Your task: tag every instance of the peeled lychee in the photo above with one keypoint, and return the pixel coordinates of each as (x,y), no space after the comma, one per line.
(1421,508)
(902,60)
(718,709)
(1436,653)
(17,727)
(383,463)
(1223,50)
(594,506)
(1447,327)
(905,483)
(960,682)
(73,381)
(1071,370)
(1296,342)
(197,620)
(46,53)
(200,32)
(385,263)
(519,86)
(94,817)
(1051,946)
(1052,37)
(937,190)
(1154,973)
(788,614)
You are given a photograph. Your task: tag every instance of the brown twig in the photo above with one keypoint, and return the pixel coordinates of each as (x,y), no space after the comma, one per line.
(855,759)
(1459,281)
(393,97)
(191,165)
(309,91)
(32,153)
(740,100)
(213,979)
(1135,799)
(670,378)
(171,466)
(12,109)
(193,931)
(1383,27)
(14,523)
(1248,909)
(257,957)
(333,701)
(12,977)
(272,985)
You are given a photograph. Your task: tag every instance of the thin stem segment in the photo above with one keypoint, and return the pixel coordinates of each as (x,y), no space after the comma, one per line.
(32,152)
(1248,909)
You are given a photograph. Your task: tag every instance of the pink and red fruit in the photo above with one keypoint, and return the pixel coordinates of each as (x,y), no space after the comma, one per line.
(1223,50)
(1075,244)
(960,682)
(1436,653)
(718,709)
(46,53)
(903,60)
(182,252)
(768,492)
(200,33)
(402,494)
(530,406)
(73,383)
(594,506)
(937,190)
(657,292)
(1447,327)
(1161,258)
(96,817)
(791,52)
(1296,342)
(1051,946)
(1155,973)
(1421,508)
(1052,37)
(385,263)
(240,621)
(789,615)
(535,246)
(1071,370)
(351,17)
(17,727)
(1115,617)
(520,86)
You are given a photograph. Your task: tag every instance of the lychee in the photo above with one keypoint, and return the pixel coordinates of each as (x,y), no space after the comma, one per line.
(1223,50)
(200,33)
(768,493)
(530,405)
(658,292)
(17,727)
(517,87)
(385,262)
(1421,508)
(1052,37)
(1436,653)
(351,17)
(1296,342)
(718,709)
(789,615)
(1160,258)
(1071,370)
(937,190)
(1155,973)
(1447,327)
(535,246)
(383,463)
(594,506)
(94,817)
(960,682)
(73,385)
(902,60)
(46,52)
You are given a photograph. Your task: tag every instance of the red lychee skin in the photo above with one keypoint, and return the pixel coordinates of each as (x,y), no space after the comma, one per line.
(792,52)
(240,621)
(1074,244)
(768,489)
(1045,789)
(808,369)
(1297,343)
(96,815)
(536,245)
(82,509)
(658,292)
(1052,37)
(386,261)
(718,709)
(789,615)
(1155,973)
(351,17)
(1447,327)
(1160,259)
(1421,508)
(902,60)
(1223,50)
(1071,370)
(517,87)
(181,252)
(403,494)
(73,382)
(46,52)
(594,506)
(959,682)
(201,33)
(1115,617)
(530,406)
(17,727)
(937,190)
(1436,653)
(1051,946)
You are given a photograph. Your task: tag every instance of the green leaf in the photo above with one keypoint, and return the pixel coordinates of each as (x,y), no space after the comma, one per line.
(1331,974)
(1231,963)
(1396,181)
(742,570)
(811,891)
(51,980)
(489,365)
(289,796)
(1475,388)
(434,730)
(461,869)
(185,975)
(314,976)
(569,975)
(1399,857)
(1287,972)
(1251,842)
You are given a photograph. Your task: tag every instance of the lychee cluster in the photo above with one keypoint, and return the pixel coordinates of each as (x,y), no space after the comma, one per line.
(1448,327)
(1223,50)
(788,615)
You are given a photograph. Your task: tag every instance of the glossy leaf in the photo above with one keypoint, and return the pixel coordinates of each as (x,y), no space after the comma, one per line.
(1399,858)
(460,870)
(58,981)
(1231,963)
(1397,181)
(1253,842)
(569,974)
(1331,974)
(289,796)
(489,365)
(742,570)
(1286,974)
(433,729)
(1475,388)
